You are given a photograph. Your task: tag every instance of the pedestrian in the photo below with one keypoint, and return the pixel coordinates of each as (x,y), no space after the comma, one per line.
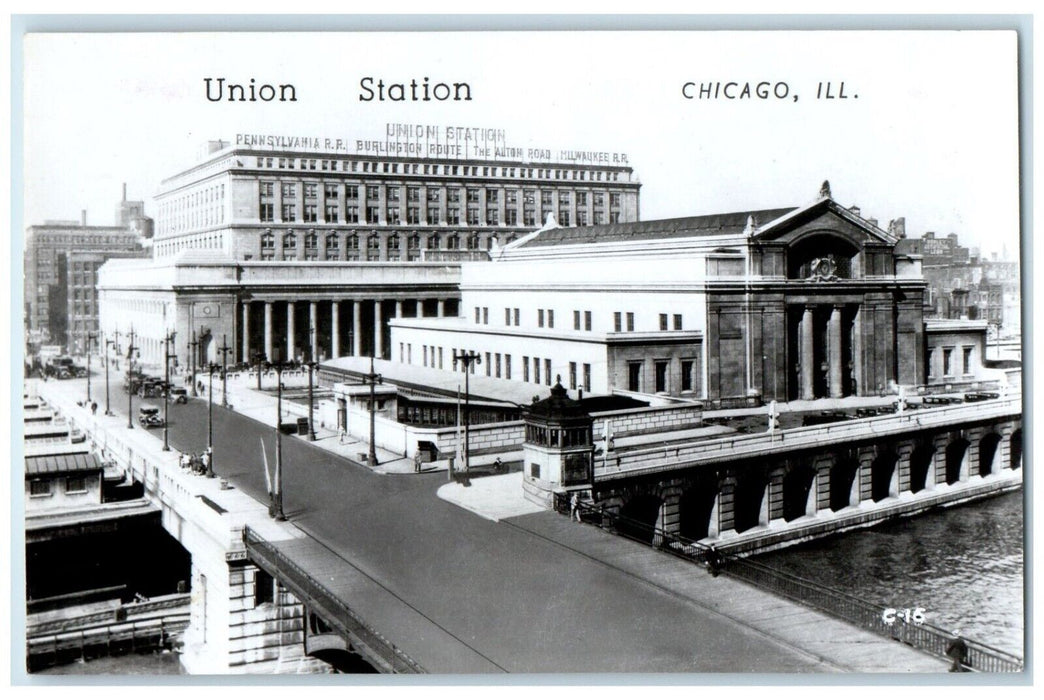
(94,408)
(957,650)
(186,461)
(574,507)
(206,461)
(417,463)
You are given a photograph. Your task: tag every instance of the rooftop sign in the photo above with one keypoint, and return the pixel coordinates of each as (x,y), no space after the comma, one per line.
(432,141)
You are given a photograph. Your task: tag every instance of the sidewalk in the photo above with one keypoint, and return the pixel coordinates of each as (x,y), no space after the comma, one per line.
(262,407)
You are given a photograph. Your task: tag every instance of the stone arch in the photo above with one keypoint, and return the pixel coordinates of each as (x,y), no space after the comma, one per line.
(697,504)
(840,250)
(749,498)
(640,515)
(207,349)
(842,476)
(882,470)
(797,483)
(921,461)
(988,447)
(956,455)
(1015,449)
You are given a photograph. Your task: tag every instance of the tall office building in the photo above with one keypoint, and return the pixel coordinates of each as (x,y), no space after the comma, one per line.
(296,248)
(61,259)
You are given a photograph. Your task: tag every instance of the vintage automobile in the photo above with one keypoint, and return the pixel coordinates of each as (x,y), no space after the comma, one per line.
(178,394)
(149,417)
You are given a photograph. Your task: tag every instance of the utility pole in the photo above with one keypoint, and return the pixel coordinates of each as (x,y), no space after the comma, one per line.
(91,337)
(168,340)
(373,379)
(193,344)
(130,379)
(467,358)
(108,342)
(224,350)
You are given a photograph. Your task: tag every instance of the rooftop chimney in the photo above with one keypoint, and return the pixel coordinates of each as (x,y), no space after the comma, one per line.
(125,192)
(855,209)
(83,218)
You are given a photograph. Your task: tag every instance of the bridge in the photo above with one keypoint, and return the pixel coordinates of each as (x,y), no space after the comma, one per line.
(376,568)
(756,492)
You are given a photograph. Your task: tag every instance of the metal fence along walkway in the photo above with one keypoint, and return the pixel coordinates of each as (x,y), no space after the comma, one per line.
(334,611)
(926,637)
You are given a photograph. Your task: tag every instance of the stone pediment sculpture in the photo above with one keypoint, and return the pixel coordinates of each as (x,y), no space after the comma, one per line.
(823,269)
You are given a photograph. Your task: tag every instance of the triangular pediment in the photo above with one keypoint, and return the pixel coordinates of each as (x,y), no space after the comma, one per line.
(822,217)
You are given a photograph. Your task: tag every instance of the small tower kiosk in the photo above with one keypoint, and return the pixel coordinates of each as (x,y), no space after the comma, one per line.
(558,447)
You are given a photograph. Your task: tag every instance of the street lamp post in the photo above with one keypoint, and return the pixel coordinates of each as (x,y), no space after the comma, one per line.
(130,379)
(224,350)
(275,508)
(259,359)
(210,421)
(108,342)
(116,348)
(168,340)
(467,358)
(311,365)
(91,337)
(193,344)
(373,379)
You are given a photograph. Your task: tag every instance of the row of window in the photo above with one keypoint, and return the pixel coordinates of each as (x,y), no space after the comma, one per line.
(548,198)
(45,487)
(202,207)
(581,319)
(432,214)
(356,166)
(662,378)
(947,361)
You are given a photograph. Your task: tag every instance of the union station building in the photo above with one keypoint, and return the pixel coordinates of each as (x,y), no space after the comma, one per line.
(269,248)
(796,303)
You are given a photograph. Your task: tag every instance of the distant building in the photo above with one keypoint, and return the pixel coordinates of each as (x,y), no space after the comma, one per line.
(61,260)
(964,285)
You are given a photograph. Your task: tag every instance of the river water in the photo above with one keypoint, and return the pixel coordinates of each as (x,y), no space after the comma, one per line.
(962,565)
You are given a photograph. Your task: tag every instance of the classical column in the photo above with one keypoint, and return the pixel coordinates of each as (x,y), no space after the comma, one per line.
(442,308)
(313,329)
(807,353)
(834,350)
(378,335)
(246,331)
(290,330)
(268,330)
(356,328)
(398,308)
(857,353)
(335,328)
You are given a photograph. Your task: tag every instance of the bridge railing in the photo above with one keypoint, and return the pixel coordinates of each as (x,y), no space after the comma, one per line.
(736,446)
(924,636)
(335,611)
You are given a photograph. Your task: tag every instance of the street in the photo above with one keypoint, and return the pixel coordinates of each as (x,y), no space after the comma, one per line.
(526,603)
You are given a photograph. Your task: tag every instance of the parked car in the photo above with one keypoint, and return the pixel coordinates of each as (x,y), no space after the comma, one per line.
(179,394)
(149,417)
(77,435)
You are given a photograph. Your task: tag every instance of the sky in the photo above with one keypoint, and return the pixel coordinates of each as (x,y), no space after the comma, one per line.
(928,129)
